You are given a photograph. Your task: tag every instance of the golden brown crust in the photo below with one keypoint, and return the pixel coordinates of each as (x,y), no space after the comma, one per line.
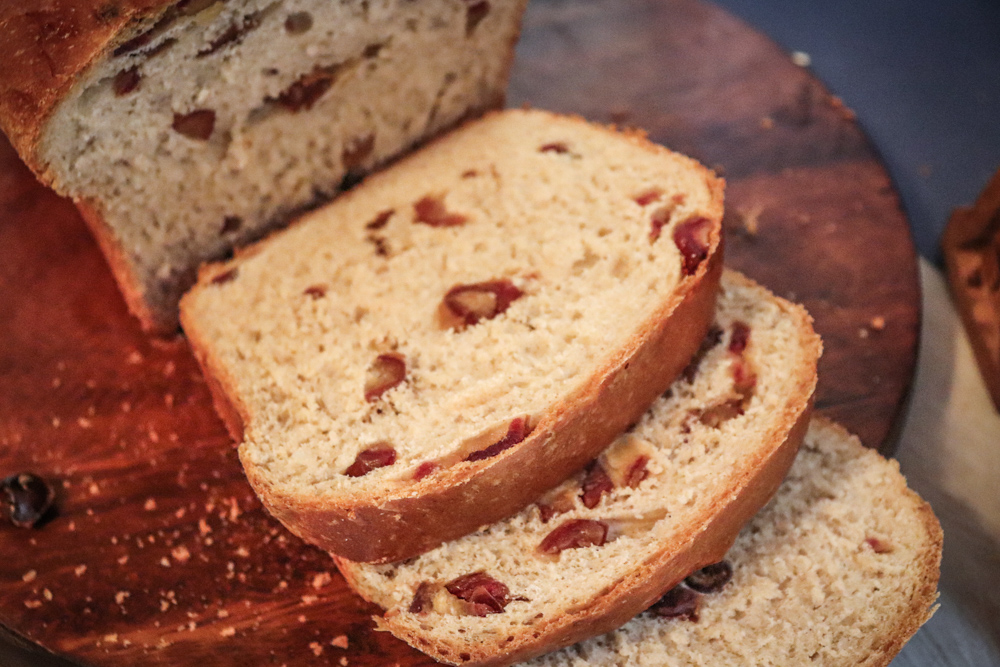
(402,523)
(45,48)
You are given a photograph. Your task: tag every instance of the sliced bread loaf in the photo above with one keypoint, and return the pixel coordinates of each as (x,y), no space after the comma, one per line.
(461,332)
(666,498)
(839,570)
(183,129)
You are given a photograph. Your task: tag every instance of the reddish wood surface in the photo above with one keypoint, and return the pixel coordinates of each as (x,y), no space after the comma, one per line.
(161,555)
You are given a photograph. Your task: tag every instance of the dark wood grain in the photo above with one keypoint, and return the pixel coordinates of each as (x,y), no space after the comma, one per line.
(161,555)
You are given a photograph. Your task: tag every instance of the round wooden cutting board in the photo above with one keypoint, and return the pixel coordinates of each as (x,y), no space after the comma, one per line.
(161,555)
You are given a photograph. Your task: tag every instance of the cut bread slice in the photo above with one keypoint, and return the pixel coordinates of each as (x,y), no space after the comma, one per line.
(666,498)
(840,569)
(462,331)
(183,129)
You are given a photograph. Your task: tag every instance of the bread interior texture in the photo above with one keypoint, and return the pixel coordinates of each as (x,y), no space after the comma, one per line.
(297,329)
(692,468)
(214,122)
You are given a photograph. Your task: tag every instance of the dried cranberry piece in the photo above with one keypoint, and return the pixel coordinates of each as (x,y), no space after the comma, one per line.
(648,197)
(516,432)
(315,291)
(481,301)
(225,276)
(231,223)
(574,534)
(432,211)
(379,455)
(678,602)
(715,415)
(740,337)
(711,578)
(304,93)
(298,23)
(386,372)
(692,238)
(380,220)
(357,150)
(878,546)
(126,81)
(555,147)
(712,338)
(424,469)
(595,484)
(744,379)
(198,124)
(29,498)
(474,13)
(485,594)
(423,598)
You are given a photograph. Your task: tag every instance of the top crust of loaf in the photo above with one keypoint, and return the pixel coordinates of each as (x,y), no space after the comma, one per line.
(840,569)
(498,174)
(44,51)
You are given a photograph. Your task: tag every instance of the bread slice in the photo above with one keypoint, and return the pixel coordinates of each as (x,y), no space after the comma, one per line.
(840,569)
(462,331)
(185,129)
(667,497)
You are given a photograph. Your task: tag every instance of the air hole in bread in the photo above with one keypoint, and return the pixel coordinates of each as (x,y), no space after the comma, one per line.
(475,12)
(231,223)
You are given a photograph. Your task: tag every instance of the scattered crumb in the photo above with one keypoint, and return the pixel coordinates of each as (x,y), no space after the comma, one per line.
(168,400)
(79,570)
(282,585)
(112,638)
(230,631)
(47,594)
(164,605)
(340,641)
(322,579)
(222,613)
(801,58)
(243,552)
(179,514)
(863,333)
(203,527)
(120,596)
(878,323)
(751,219)
(150,504)
(302,618)
(766,123)
(165,562)
(134,357)
(72,526)
(56,422)
(317,648)
(29,576)
(123,559)
(84,422)
(32,604)
(126,406)
(94,489)
(181,554)
(169,368)
(343,661)
(309,599)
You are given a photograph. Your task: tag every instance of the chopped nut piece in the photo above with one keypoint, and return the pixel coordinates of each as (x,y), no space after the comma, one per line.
(626,459)
(386,372)
(126,82)
(481,301)
(595,484)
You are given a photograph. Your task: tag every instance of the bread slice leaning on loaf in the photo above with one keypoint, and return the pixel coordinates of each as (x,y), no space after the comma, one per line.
(462,331)
(839,570)
(666,498)
(183,129)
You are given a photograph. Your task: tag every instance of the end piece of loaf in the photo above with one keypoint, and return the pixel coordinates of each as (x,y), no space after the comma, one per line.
(185,129)
(462,331)
(840,569)
(666,498)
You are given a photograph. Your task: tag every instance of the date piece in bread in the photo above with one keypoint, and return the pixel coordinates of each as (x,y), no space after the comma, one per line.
(185,129)
(462,331)
(839,570)
(666,498)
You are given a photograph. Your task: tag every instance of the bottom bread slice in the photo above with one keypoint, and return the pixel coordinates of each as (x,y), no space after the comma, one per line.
(666,498)
(841,568)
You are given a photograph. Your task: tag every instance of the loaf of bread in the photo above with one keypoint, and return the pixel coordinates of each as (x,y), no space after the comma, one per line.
(184,129)
(666,498)
(839,570)
(462,331)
